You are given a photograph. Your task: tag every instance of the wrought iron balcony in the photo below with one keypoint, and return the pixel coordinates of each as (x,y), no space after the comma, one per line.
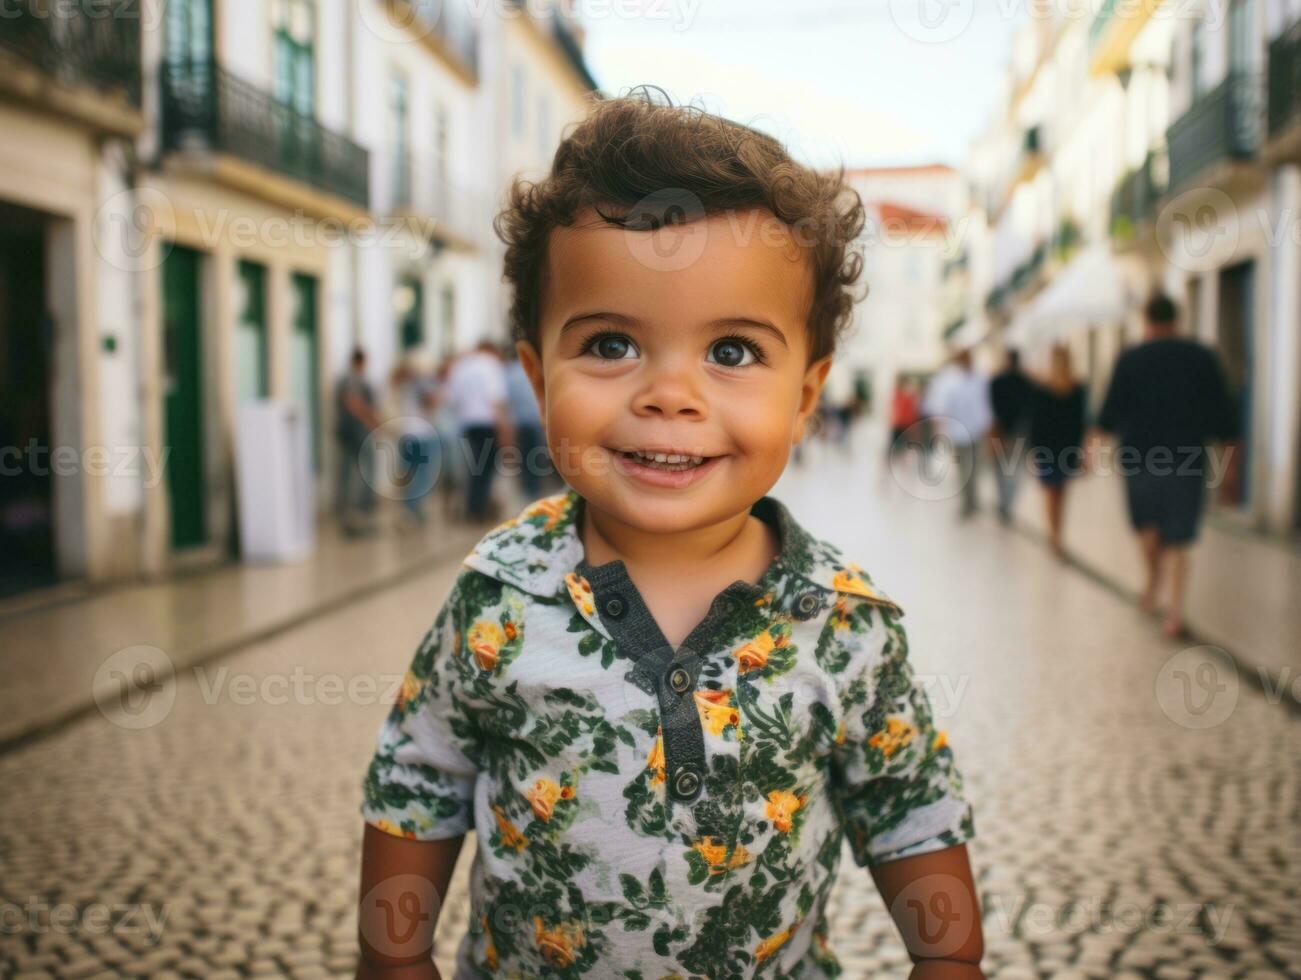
(1224,124)
(1285,80)
(78,43)
(1134,201)
(205,106)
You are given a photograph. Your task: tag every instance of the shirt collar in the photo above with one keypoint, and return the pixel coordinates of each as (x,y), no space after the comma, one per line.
(537,549)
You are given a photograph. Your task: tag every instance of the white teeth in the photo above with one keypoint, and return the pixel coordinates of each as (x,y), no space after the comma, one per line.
(676,460)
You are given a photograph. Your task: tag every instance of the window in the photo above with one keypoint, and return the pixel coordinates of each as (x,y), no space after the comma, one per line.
(294,23)
(399,127)
(189,32)
(1242,36)
(517,100)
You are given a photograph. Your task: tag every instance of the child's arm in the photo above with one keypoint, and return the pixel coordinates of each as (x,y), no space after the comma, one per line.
(403,883)
(932,899)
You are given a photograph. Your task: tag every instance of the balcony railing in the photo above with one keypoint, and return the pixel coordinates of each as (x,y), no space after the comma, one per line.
(1225,124)
(206,106)
(78,43)
(1285,80)
(1134,201)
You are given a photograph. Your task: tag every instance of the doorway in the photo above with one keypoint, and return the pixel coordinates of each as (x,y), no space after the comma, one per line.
(1235,324)
(26,437)
(183,399)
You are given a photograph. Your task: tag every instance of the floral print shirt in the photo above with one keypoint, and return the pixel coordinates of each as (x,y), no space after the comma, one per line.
(649,813)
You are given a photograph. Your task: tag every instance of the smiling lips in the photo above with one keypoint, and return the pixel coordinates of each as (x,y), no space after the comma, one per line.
(666,460)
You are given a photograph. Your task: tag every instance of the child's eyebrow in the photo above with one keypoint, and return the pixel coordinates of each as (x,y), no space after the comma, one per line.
(631,321)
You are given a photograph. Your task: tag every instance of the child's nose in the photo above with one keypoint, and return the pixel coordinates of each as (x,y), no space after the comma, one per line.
(671,393)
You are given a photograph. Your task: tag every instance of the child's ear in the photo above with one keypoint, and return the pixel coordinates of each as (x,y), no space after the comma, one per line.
(814,378)
(532,364)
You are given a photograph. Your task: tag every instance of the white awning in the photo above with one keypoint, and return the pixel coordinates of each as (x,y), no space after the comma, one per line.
(1094,288)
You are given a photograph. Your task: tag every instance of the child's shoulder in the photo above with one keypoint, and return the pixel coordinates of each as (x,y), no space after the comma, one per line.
(532,551)
(823,563)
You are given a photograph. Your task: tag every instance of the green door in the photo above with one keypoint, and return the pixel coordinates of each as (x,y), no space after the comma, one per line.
(183,407)
(251,372)
(304,360)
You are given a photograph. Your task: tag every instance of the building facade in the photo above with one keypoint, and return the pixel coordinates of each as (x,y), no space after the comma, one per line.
(1154,145)
(204,202)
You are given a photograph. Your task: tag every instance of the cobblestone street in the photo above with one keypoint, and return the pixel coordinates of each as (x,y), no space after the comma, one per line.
(1136,803)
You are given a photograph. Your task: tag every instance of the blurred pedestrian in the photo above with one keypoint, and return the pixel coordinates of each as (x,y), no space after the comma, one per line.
(1057,406)
(905,414)
(355,419)
(1009,396)
(529,436)
(1168,397)
(419,450)
(958,402)
(477,392)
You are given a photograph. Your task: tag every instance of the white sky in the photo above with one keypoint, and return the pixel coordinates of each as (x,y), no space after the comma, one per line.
(863,82)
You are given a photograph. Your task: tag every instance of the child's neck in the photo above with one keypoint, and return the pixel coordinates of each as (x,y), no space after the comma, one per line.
(739,541)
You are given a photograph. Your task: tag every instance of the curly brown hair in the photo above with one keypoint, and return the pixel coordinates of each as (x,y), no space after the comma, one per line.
(641,163)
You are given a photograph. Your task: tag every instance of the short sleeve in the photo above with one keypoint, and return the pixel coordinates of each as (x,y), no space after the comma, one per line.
(897,787)
(420,783)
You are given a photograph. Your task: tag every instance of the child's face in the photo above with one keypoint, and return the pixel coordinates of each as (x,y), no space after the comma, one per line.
(648,343)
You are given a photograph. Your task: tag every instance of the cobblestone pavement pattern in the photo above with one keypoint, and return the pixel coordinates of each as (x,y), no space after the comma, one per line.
(1136,805)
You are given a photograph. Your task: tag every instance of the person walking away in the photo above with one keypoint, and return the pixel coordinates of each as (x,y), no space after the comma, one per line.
(419,450)
(1009,396)
(958,401)
(1167,399)
(355,415)
(477,390)
(1057,407)
(529,437)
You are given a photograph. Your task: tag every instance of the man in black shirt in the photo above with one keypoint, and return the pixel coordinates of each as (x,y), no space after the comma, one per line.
(1168,396)
(1009,395)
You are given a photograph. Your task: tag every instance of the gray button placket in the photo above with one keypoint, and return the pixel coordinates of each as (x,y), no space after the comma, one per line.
(657,668)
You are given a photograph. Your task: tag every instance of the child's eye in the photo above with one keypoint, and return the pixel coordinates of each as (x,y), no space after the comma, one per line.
(609,346)
(731,352)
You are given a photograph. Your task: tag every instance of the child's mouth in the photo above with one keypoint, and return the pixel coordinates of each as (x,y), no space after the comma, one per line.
(669,462)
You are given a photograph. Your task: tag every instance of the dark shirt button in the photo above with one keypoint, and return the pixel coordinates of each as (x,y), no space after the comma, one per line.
(680,680)
(807,604)
(614,606)
(686,784)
